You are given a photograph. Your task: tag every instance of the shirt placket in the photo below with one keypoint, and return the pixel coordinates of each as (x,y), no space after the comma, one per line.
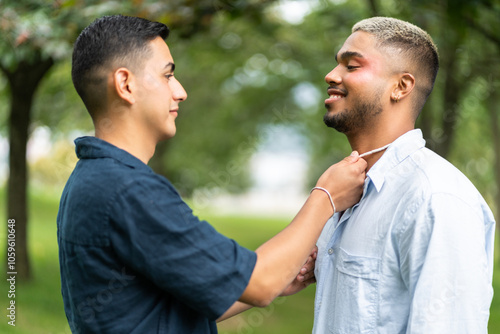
(329,258)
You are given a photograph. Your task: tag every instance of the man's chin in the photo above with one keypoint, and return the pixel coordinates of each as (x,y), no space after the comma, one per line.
(337,121)
(168,135)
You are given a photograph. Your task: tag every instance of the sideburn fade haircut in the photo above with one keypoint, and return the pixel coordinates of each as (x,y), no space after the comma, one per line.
(110,42)
(414,45)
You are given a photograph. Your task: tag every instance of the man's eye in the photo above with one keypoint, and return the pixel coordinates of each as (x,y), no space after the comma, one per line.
(351,67)
(168,76)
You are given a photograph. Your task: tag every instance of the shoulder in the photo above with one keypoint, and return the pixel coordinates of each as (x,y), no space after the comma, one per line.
(100,190)
(432,187)
(105,177)
(425,181)
(425,173)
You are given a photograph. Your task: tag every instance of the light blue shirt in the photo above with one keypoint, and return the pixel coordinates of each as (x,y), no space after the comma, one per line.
(415,255)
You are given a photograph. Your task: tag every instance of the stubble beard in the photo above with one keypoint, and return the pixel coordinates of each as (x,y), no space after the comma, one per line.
(353,120)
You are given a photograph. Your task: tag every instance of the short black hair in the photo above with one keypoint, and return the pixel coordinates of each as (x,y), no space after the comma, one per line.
(110,41)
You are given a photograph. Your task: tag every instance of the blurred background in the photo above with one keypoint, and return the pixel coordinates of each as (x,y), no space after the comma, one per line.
(250,139)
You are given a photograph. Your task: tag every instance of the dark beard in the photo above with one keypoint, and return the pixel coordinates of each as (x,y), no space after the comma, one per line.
(348,121)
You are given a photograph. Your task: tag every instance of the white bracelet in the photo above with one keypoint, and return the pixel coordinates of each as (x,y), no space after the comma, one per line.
(329,196)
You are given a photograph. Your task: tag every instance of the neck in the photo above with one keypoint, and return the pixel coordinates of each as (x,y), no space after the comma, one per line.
(141,147)
(375,144)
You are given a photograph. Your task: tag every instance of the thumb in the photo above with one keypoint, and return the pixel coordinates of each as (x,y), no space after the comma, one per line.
(353,157)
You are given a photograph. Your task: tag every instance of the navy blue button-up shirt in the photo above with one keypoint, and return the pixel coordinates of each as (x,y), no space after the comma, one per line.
(134,258)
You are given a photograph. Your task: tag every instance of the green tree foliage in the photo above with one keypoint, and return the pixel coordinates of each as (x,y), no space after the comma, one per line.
(456,119)
(38,34)
(238,77)
(35,35)
(247,70)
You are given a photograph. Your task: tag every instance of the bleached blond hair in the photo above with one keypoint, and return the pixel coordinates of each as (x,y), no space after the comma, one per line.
(412,44)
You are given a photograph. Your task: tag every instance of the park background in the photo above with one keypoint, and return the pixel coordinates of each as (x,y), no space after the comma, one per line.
(250,139)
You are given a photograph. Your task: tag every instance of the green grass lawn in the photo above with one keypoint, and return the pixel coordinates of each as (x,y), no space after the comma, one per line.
(39,304)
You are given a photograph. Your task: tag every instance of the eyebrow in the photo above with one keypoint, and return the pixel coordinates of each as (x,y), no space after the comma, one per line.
(349,54)
(171,65)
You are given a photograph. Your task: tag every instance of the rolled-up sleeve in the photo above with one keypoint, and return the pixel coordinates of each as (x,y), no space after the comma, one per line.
(159,237)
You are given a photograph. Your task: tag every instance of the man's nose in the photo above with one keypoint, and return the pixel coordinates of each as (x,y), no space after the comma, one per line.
(178,93)
(333,77)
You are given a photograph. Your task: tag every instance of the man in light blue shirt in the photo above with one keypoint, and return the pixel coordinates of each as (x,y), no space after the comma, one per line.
(415,255)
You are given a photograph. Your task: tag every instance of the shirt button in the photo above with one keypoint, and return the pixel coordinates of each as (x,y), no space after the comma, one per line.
(330,251)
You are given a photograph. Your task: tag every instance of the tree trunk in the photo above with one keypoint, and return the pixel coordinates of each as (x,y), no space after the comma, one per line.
(23,82)
(452,92)
(493,106)
(374,10)
(426,124)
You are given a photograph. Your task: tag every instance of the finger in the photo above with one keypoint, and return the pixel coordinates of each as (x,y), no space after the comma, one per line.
(313,255)
(314,252)
(305,277)
(309,281)
(310,263)
(305,270)
(353,157)
(308,266)
(362,164)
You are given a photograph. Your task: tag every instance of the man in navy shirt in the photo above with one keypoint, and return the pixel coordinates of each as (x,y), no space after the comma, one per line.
(133,257)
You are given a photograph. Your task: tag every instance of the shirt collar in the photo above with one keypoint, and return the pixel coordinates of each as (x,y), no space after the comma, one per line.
(88,147)
(398,151)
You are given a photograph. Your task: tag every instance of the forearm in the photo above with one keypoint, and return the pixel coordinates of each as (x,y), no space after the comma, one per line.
(235,309)
(280,259)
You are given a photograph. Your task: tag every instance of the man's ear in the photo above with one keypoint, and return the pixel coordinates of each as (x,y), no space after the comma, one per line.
(124,84)
(404,87)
